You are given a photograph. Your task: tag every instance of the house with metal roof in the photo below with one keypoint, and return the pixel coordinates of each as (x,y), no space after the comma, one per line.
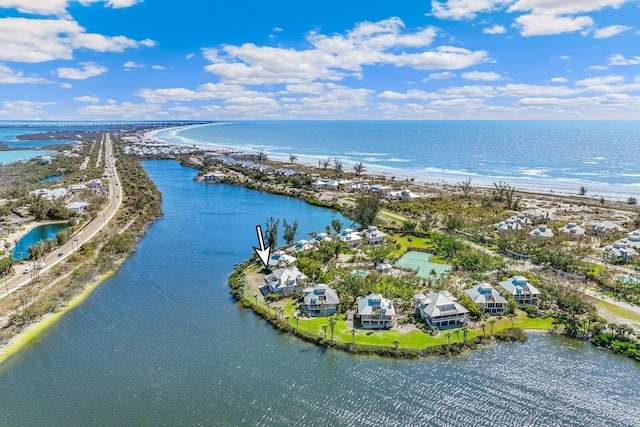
(376,312)
(440,309)
(487,298)
(320,300)
(288,279)
(523,292)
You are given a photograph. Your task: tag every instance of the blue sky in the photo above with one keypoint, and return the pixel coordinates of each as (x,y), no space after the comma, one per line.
(250,59)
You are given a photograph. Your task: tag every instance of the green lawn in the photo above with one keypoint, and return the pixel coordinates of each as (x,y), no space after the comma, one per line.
(415,340)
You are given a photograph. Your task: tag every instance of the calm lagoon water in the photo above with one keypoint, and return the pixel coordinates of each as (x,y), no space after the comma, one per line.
(11,156)
(42,232)
(161,342)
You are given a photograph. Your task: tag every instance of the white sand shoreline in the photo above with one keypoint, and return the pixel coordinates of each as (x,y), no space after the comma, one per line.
(551,186)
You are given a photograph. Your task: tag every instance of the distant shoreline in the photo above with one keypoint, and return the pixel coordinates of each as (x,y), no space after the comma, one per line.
(553,187)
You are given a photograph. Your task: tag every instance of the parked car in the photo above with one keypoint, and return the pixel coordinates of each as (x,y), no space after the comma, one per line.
(60,254)
(27,270)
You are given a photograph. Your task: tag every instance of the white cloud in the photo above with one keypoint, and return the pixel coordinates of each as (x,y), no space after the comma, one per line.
(547,17)
(463,9)
(494,29)
(539,24)
(610,31)
(410,94)
(189,56)
(206,91)
(487,76)
(24,110)
(125,110)
(439,76)
(527,90)
(603,80)
(558,80)
(9,76)
(332,58)
(40,7)
(131,64)
(57,7)
(88,70)
(66,85)
(40,40)
(597,68)
(86,98)
(618,59)
(158,67)
(564,7)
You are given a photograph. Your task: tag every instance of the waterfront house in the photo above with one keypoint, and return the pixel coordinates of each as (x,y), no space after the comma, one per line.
(285,280)
(285,172)
(358,187)
(541,231)
(350,237)
(320,300)
(77,207)
(487,298)
(318,184)
(280,259)
(574,230)
(523,292)
(301,245)
(376,312)
(374,236)
(332,185)
(45,160)
(212,176)
(440,309)
(319,238)
(382,189)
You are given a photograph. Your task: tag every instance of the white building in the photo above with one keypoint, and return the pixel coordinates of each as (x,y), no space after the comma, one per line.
(374,236)
(574,230)
(523,292)
(350,237)
(487,298)
(440,309)
(541,231)
(376,312)
(285,280)
(320,300)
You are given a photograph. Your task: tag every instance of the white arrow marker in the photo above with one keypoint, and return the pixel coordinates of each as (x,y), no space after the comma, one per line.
(263,253)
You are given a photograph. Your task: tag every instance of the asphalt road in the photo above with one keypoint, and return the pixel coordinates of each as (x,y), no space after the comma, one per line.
(83,235)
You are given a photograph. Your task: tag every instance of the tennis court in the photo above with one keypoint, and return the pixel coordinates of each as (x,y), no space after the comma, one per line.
(419,262)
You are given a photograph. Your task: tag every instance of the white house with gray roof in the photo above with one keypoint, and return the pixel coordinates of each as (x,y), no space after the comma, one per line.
(288,279)
(350,237)
(374,236)
(574,230)
(440,309)
(541,231)
(523,292)
(487,298)
(376,312)
(320,300)
(280,258)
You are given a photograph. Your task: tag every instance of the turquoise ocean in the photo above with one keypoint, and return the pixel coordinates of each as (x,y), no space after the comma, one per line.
(537,155)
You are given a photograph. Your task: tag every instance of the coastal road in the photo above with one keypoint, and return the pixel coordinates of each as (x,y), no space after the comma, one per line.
(83,235)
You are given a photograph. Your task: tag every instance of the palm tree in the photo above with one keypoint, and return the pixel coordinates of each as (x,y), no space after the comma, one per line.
(491,323)
(465,331)
(353,336)
(333,320)
(297,321)
(448,335)
(324,329)
(511,316)
(484,332)
(292,158)
(457,332)
(396,343)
